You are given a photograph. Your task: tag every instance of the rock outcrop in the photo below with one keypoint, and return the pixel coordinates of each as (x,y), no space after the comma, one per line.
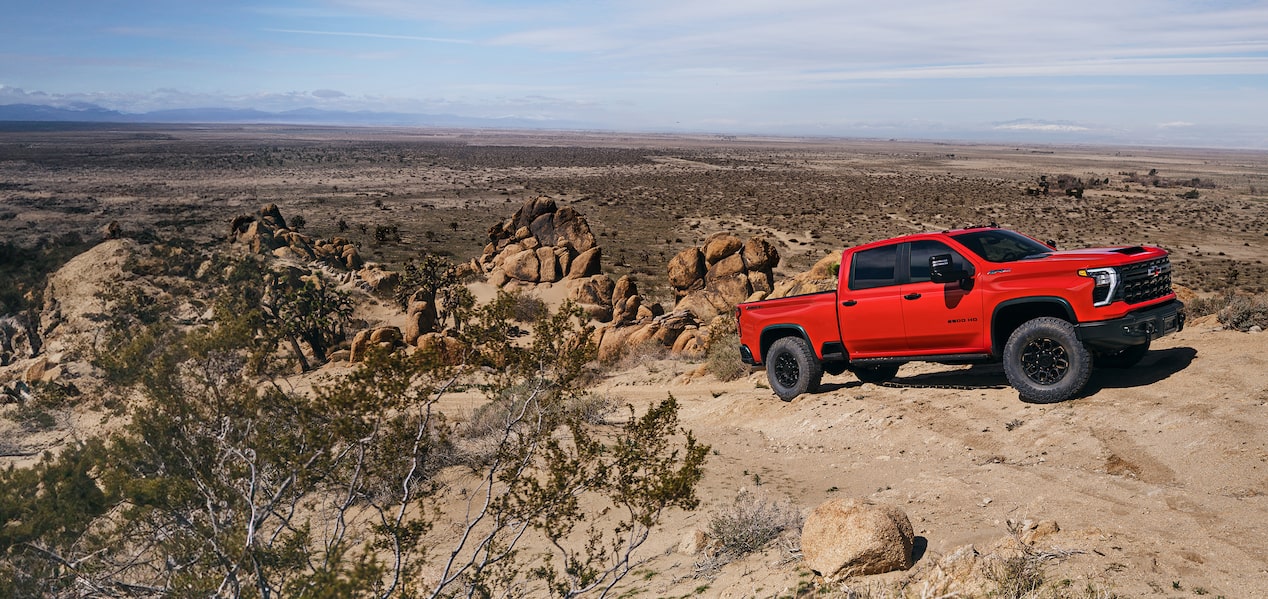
(821,277)
(711,279)
(854,537)
(265,232)
(540,243)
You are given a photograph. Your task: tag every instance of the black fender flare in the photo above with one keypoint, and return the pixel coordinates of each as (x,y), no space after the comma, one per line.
(1063,310)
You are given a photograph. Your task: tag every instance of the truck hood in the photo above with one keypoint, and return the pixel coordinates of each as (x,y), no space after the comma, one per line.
(1106,256)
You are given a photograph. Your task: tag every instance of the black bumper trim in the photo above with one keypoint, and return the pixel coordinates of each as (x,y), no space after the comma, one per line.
(746,355)
(1133,329)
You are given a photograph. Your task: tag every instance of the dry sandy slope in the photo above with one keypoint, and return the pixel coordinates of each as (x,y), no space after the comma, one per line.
(1158,473)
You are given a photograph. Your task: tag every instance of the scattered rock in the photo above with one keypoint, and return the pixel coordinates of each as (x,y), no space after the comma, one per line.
(853,537)
(693,542)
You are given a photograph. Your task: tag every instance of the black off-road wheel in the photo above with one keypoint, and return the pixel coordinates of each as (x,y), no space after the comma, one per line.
(877,374)
(792,368)
(1045,361)
(1123,358)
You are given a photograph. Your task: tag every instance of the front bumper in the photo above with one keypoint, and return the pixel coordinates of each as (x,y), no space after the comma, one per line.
(1134,329)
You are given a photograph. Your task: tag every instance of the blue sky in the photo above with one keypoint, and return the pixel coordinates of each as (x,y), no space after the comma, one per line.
(1142,71)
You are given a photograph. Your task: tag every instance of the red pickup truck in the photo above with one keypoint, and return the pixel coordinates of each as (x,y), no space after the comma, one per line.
(980,294)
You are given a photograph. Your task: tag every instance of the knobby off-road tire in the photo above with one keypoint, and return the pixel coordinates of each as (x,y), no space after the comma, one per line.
(880,373)
(1045,361)
(1123,358)
(792,368)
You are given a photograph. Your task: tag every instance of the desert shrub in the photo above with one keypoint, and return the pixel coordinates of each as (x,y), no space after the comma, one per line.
(385,234)
(528,308)
(47,404)
(1016,576)
(751,522)
(592,408)
(643,353)
(722,359)
(426,277)
(1205,305)
(1243,312)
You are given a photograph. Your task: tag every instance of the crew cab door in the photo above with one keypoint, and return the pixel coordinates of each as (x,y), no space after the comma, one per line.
(869,310)
(940,318)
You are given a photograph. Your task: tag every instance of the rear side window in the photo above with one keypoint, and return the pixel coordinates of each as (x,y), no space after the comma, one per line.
(874,268)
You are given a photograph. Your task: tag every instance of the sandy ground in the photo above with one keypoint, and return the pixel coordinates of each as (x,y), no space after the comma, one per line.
(1158,474)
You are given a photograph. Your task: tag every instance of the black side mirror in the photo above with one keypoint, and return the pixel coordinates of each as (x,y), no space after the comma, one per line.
(941,270)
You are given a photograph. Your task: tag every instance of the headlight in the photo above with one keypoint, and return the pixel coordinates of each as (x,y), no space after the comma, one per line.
(1106,280)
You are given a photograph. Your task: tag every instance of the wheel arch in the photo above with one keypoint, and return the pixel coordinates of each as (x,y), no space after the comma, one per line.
(775,332)
(1009,315)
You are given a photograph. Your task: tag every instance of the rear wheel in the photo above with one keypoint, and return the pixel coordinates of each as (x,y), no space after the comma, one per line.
(792,368)
(877,374)
(1123,358)
(1045,361)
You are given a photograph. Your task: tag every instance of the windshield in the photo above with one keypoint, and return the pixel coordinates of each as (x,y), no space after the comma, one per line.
(998,245)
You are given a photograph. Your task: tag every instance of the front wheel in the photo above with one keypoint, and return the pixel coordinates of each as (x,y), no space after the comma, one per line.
(792,368)
(1045,361)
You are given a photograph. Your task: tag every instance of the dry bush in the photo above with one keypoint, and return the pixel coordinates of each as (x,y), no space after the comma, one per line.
(1203,306)
(752,522)
(643,353)
(592,408)
(1243,312)
(527,308)
(722,359)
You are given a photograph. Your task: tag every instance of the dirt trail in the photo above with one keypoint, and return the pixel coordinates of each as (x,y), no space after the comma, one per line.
(1159,473)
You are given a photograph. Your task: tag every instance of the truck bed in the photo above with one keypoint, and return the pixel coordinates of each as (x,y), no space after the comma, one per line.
(813,313)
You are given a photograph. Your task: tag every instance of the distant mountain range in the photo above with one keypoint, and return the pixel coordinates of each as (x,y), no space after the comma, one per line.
(92,113)
(1015,131)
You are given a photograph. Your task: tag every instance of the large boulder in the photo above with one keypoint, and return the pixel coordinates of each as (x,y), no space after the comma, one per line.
(524,266)
(854,537)
(719,246)
(586,264)
(548,270)
(686,268)
(730,265)
(420,320)
(759,254)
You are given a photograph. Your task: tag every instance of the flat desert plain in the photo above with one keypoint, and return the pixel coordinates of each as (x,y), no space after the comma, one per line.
(1157,476)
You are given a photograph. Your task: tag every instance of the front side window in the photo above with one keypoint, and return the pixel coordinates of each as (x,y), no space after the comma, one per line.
(922,250)
(998,245)
(874,268)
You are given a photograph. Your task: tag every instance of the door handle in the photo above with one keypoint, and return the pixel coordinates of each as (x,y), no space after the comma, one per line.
(912,296)
(848,303)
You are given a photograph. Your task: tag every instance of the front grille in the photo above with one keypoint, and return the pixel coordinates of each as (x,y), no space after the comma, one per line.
(1144,281)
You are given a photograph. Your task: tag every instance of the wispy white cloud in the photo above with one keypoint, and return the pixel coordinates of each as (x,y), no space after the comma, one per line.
(386,36)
